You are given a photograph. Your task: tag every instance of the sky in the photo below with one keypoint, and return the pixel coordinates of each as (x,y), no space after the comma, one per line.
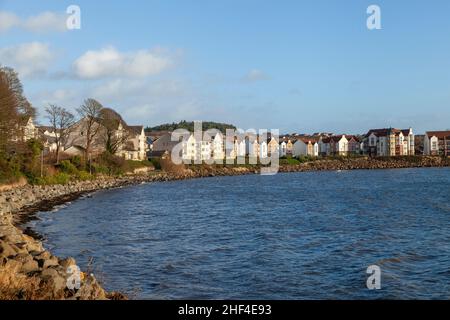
(296,66)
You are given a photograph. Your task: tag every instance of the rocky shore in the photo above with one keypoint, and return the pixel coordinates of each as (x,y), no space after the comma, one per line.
(28,271)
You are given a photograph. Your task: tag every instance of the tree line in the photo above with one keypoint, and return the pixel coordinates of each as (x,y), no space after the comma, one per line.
(189,125)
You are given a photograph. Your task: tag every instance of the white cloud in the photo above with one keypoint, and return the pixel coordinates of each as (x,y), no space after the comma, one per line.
(29,59)
(109,62)
(255,75)
(8,20)
(46,22)
(43,22)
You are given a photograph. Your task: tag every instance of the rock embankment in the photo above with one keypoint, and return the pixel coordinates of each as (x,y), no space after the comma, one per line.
(368,164)
(27,270)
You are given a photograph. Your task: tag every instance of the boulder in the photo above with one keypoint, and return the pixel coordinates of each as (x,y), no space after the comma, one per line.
(7,250)
(65,263)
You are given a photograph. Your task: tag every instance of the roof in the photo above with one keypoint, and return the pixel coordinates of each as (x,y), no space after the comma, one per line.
(388,131)
(439,134)
(350,137)
(136,129)
(156,133)
(336,138)
(307,140)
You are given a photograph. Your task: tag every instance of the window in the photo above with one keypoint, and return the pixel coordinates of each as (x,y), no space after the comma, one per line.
(434,145)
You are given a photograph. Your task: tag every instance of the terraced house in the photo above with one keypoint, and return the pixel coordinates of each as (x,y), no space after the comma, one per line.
(306,146)
(437,143)
(389,142)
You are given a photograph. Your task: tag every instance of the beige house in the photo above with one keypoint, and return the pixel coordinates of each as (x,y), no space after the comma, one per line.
(273,147)
(134,146)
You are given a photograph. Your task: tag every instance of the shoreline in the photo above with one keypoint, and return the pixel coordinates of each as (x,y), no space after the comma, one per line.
(34,261)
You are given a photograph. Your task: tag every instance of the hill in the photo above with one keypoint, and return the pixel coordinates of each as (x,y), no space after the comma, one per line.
(189,125)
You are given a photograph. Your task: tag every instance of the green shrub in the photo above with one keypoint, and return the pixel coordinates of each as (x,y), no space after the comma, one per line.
(156,163)
(9,170)
(84,176)
(59,178)
(77,161)
(68,167)
(109,164)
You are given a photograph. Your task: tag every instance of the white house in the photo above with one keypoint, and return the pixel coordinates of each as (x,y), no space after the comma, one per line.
(339,145)
(190,149)
(263,150)
(241,147)
(437,143)
(217,147)
(389,142)
(283,149)
(254,149)
(306,146)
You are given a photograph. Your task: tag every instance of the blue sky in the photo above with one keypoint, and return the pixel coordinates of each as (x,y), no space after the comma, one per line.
(298,66)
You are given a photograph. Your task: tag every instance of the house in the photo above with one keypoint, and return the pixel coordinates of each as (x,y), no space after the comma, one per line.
(190,149)
(272,147)
(76,141)
(283,149)
(133,147)
(389,142)
(263,149)
(339,145)
(205,150)
(253,148)
(136,146)
(29,129)
(324,146)
(218,151)
(354,144)
(286,146)
(241,147)
(163,143)
(26,130)
(437,143)
(306,146)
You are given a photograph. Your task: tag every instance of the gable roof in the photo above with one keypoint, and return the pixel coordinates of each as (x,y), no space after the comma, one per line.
(388,131)
(439,134)
(136,129)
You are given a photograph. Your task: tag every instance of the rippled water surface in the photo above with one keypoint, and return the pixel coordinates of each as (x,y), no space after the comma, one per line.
(288,236)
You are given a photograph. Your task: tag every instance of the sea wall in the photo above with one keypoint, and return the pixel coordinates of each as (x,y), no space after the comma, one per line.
(369,164)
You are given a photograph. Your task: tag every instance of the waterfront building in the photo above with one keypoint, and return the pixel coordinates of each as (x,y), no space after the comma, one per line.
(389,142)
(437,143)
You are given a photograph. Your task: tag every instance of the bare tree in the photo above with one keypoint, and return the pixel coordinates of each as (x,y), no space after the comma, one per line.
(24,107)
(61,121)
(90,115)
(116,132)
(9,116)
